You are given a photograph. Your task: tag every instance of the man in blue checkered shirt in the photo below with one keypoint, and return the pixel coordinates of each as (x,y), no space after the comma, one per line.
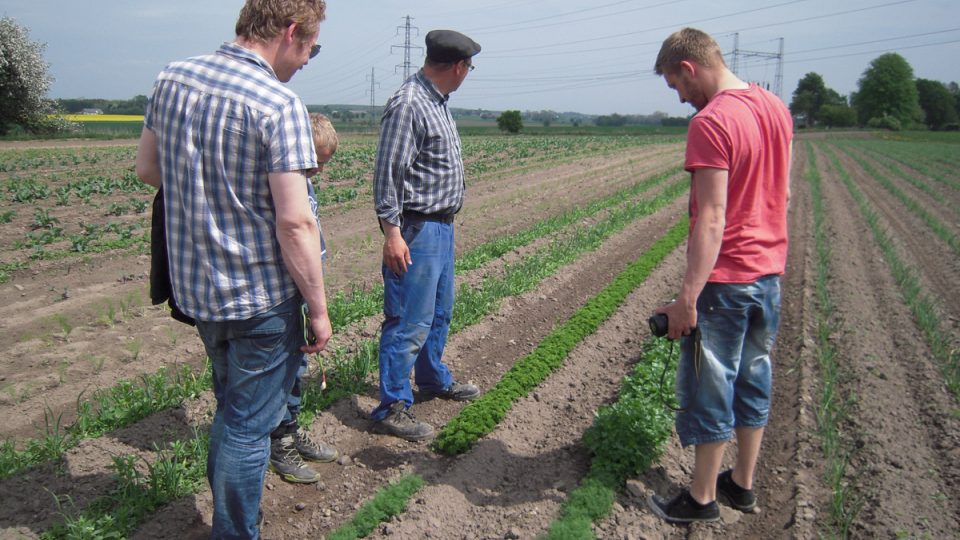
(229,144)
(418,188)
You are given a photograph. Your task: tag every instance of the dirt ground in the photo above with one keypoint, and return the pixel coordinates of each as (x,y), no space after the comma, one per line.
(902,419)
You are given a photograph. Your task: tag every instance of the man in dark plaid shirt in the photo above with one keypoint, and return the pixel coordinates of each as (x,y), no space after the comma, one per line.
(418,188)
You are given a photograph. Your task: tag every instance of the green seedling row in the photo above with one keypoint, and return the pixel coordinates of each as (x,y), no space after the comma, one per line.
(481,416)
(627,437)
(367,350)
(926,313)
(832,407)
(938,227)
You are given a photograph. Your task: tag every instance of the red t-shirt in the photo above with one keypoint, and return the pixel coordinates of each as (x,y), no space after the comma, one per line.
(747,133)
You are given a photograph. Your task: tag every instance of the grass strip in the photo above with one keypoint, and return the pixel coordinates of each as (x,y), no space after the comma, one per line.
(626,438)
(108,409)
(832,409)
(178,471)
(481,416)
(388,502)
(926,313)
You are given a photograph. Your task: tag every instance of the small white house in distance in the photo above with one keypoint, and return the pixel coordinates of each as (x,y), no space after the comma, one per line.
(91,111)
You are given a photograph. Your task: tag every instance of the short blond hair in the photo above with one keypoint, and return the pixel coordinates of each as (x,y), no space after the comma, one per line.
(324,136)
(691,45)
(263,20)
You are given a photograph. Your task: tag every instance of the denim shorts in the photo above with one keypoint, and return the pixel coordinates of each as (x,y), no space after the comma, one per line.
(725,376)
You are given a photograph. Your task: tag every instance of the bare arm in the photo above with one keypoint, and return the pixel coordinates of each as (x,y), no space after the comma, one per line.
(704,248)
(299,240)
(148,159)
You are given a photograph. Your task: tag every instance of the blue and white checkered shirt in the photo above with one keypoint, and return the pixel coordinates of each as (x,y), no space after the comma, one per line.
(419,166)
(223,122)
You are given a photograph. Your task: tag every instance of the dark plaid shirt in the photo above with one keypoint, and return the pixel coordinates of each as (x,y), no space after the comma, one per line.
(419,165)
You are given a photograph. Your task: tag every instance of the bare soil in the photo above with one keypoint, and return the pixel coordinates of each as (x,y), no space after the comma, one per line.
(903,424)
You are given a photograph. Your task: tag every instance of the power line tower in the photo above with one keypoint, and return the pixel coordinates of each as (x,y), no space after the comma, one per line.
(373,99)
(778,77)
(406,46)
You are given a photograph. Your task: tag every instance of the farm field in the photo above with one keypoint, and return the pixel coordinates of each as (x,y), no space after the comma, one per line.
(864,439)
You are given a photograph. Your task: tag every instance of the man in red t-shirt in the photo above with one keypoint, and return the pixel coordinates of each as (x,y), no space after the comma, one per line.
(728,309)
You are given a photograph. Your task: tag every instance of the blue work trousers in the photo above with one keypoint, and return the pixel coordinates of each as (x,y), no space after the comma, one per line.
(417,308)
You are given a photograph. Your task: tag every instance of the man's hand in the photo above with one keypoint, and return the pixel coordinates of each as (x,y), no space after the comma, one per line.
(321,330)
(396,254)
(681,318)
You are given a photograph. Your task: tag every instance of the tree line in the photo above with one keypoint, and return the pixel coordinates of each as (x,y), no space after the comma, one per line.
(888,97)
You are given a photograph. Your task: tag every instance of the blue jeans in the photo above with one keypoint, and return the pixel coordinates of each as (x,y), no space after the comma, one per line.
(254,362)
(725,377)
(417,308)
(292,409)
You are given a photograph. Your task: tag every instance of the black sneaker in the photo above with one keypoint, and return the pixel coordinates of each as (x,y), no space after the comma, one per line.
(311,450)
(456,391)
(683,509)
(400,422)
(739,498)
(285,460)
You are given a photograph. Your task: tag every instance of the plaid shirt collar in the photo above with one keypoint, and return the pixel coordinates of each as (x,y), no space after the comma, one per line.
(241,54)
(431,88)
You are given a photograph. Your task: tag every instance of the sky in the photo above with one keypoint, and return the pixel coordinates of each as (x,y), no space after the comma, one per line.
(562,55)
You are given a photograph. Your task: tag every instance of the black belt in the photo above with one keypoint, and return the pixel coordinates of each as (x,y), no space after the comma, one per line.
(442,218)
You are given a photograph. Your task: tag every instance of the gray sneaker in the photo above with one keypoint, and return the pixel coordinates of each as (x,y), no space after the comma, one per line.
(456,391)
(311,450)
(400,422)
(285,460)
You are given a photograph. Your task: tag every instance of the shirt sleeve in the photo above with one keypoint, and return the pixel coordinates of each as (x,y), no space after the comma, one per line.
(291,142)
(708,145)
(395,154)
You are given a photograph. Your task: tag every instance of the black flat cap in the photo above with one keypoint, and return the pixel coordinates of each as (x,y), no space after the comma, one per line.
(450,46)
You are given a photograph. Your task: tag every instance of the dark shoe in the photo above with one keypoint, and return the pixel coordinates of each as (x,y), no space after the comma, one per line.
(285,460)
(739,498)
(683,509)
(312,450)
(456,391)
(400,422)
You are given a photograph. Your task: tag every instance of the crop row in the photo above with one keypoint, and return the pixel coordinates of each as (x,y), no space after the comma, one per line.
(101,514)
(626,437)
(832,407)
(346,309)
(926,312)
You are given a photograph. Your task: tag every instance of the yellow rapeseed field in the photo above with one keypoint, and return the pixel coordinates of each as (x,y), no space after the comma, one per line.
(104,117)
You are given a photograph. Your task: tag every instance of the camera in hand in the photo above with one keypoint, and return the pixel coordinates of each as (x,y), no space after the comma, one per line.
(659,324)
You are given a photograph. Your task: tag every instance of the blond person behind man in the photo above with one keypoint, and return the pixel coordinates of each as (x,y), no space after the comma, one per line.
(728,308)
(230,143)
(290,445)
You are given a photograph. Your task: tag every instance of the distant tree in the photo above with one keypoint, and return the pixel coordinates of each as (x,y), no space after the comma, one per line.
(811,96)
(24,80)
(510,121)
(808,98)
(938,104)
(887,89)
(837,115)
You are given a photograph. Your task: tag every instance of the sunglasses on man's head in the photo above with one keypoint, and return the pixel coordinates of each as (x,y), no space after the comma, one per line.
(314,50)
